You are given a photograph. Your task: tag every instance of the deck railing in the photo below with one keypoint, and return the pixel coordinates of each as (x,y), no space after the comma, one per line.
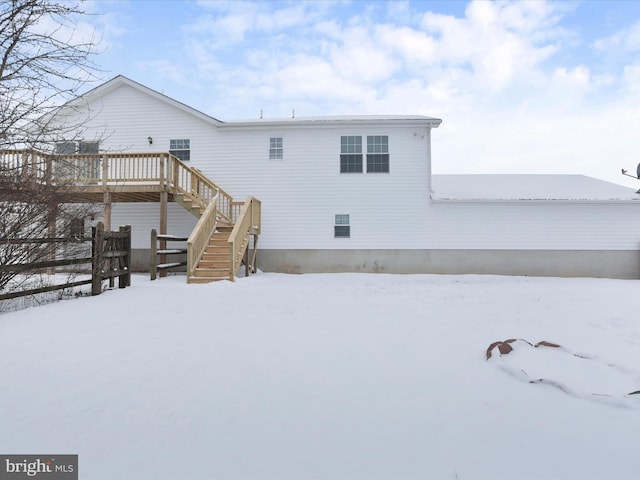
(161,171)
(113,169)
(200,235)
(247,223)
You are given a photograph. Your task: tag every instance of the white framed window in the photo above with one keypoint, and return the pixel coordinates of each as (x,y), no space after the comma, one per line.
(342,227)
(66,148)
(78,168)
(276,149)
(351,154)
(89,147)
(181,148)
(377,154)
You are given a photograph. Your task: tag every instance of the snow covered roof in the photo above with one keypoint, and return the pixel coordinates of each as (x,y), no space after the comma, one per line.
(490,188)
(321,121)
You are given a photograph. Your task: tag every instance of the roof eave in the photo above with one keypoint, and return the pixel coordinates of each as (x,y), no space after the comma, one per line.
(330,122)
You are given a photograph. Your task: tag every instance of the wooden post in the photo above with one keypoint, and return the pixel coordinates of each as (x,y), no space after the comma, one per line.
(254,261)
(154,248)
(106,211)
(124,280)
(111,246)
(97,234)
(51,232)
(246,260)
(163,228)
(105,171)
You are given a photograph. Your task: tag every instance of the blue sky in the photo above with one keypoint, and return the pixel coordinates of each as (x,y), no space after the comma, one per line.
(522,87)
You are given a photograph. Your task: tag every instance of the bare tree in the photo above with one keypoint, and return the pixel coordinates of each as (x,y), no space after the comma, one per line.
(45,60)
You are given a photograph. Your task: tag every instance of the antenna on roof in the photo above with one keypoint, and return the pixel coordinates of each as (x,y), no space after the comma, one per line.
(293,114)
(637,175)
(260,113)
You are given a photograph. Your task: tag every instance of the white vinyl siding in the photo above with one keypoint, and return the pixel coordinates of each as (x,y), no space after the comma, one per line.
(145,216)
(301,196)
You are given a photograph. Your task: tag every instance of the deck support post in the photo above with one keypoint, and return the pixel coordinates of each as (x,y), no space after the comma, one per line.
(164,196)
(106,211)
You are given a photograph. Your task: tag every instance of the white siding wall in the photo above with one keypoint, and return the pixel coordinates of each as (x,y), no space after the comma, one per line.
(124,118)
(533,226)
(145,216)
(301,193)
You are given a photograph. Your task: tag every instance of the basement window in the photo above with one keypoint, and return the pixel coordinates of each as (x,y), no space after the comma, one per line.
(76,227)
(180,148)
(276,149)
(342,228)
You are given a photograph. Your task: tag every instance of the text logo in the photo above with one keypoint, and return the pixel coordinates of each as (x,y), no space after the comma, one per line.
(46,467)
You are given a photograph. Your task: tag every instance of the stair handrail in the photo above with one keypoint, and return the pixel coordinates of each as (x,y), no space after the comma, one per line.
(200,235)
(247,223)
(192,182)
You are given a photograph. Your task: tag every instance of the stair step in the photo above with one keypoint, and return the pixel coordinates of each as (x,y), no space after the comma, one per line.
(219,251)
(210,271)
(219,264)
(206,279)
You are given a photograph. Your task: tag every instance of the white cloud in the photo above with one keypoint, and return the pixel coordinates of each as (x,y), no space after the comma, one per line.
(631,78)
(623,41)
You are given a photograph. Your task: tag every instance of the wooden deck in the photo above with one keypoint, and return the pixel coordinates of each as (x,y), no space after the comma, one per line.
(109,178)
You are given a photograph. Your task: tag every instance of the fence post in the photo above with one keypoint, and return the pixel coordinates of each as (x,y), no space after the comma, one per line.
(154,248)
(124,280)
(97,233)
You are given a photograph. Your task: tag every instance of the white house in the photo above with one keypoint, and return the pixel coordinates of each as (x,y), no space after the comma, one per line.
(356,193)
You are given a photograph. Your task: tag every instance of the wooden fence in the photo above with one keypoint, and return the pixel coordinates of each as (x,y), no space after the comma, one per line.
(110,258)
(162,252)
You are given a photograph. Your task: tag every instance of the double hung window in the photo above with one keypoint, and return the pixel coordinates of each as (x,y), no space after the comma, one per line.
(377,154)
(276,149)
(180,148)
(342,228)
(351,154)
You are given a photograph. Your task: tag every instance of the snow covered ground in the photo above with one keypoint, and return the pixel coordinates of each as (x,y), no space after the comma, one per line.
(345,376)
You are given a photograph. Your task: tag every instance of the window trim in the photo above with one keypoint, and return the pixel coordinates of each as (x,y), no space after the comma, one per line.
(353,161)
(274,150)
(180,151)
(373,157)
(339,224)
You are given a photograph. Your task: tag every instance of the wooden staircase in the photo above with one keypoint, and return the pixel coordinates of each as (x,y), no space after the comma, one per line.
(190,205)
(225,235)
(215,262)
